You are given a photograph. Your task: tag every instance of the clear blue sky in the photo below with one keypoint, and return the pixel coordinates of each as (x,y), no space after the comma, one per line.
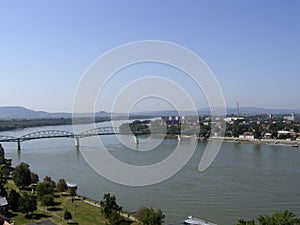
(253,47)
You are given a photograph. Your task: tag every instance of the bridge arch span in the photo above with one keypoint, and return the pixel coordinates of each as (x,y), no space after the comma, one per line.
(5,138)
(47,134)
(99,131)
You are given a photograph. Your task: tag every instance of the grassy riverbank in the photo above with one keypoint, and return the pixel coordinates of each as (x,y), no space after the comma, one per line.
(82,211)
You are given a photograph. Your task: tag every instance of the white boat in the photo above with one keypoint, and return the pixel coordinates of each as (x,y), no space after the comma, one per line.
(195,221)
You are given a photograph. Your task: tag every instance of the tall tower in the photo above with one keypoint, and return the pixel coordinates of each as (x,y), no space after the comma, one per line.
(237,109)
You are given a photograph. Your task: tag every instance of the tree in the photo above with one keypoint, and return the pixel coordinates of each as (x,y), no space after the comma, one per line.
(22,175)
(48,200)
(34,178)
(109,204)
(3,192)
(27,203)
(61,185)
(48,179)
(13,200)
(278,218)
(115,218)
(67,215)
(72,191)
(244,222)
(44,188)
(2,155)
(149,216)
(4,170)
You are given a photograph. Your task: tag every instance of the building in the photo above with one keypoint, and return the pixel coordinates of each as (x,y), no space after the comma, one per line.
(247,135)
(3,206)
(290,117)
(171,120)
(231,119)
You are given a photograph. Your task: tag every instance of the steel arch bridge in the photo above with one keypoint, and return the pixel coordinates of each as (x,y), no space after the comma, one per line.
(66,134)
(60,134)
(47,134)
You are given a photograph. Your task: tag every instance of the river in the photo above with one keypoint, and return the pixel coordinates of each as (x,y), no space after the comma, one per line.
(244,181)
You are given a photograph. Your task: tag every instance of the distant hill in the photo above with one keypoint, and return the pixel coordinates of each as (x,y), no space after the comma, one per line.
(259,111)
(17,112)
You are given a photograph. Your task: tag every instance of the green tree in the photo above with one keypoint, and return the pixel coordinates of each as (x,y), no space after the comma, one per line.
(149,216)
(3,192)
(72,191)
(2,155)
(48,200)
(109,204)
(4,170)
(278,218)
(61,185)
(157,128)
(67,215)
(44,188)
(246,222)
(34,178)
(22,175)
(115,218)
(27,203)
(13,200)
(49,179)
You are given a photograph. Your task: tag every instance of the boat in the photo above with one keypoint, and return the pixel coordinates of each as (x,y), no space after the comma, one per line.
(195,221)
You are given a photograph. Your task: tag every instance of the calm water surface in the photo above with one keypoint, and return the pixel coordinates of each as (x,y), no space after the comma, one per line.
(244,181)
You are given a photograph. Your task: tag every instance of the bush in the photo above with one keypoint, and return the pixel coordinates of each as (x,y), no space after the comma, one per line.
(67,215)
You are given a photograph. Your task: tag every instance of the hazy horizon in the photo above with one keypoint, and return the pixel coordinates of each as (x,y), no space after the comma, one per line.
(251,47)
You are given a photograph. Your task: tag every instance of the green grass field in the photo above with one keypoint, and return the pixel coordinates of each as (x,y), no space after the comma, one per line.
(82,212)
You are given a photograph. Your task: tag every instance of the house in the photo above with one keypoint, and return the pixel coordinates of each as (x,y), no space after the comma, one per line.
(247,135)
(3,206)
(171,120)
(267,135)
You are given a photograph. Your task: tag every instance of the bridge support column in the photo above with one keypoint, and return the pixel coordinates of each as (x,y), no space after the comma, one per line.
(19,145)
(77,143)
(179,138)
(135,139)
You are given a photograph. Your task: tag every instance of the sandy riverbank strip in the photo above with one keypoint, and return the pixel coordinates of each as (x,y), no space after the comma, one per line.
(275,142)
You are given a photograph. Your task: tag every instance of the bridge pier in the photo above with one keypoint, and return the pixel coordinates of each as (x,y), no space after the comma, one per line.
(179,138)
(77,142)
(19,145)
(135,139)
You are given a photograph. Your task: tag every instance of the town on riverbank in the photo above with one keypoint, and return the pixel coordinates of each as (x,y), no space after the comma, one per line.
(259,129)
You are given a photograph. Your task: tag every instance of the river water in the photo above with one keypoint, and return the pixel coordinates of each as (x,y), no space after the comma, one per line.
(244,181)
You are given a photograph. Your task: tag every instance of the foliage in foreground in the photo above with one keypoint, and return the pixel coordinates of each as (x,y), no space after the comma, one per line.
(109,205)
(149,216)
(27,203)
(278,218)
(22,175)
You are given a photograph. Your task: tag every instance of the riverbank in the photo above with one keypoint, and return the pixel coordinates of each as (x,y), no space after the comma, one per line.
(275,142)
(83,210)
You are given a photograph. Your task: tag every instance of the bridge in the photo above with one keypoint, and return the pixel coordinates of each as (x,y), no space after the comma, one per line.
(66,134)
(60,134)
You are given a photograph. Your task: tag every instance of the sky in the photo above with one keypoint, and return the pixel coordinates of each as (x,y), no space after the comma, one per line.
(252,47)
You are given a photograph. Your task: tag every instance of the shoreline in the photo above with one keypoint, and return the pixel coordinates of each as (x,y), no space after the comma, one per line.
(273,142)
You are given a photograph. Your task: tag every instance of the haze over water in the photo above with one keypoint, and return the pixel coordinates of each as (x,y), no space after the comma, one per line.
(244,181)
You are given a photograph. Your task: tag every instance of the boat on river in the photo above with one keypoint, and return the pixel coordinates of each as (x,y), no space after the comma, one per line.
(195,221)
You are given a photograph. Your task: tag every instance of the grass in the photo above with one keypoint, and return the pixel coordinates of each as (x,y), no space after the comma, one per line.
(82,212)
